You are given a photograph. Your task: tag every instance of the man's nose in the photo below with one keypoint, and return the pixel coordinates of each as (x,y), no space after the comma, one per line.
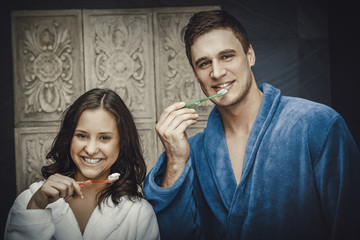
(218,70)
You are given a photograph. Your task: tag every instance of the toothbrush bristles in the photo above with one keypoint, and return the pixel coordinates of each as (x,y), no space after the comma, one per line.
(221,92)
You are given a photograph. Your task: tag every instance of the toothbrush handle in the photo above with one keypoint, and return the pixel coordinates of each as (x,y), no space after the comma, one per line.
(90,182)
(86,183)
(193,103)
(197,101)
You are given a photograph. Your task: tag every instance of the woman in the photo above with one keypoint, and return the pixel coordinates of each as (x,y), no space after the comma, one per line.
(98,137)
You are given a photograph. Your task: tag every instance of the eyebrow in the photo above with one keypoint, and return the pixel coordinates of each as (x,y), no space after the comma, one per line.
(226,51)
(82,131)
(199,60)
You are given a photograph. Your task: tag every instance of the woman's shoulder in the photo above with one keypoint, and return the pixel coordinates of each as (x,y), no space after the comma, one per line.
(32,188)
(136,202)
(24,197)
(35,186)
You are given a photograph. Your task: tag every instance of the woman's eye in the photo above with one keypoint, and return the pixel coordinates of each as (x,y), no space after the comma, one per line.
(82,136)
(105,138)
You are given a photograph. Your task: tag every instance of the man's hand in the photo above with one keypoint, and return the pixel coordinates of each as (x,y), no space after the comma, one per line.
(173,122)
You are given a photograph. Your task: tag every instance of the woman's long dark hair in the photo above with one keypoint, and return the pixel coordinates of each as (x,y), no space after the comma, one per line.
(130,163)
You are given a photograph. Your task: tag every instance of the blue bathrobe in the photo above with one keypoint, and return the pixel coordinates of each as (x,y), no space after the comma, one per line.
(300,179)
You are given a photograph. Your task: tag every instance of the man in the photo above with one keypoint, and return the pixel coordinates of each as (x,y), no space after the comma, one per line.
(265,167)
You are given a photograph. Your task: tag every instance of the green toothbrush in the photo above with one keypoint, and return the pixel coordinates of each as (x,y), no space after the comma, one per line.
(200,100)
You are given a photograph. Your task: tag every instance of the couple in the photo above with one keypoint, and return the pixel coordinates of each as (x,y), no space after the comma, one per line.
(265,167)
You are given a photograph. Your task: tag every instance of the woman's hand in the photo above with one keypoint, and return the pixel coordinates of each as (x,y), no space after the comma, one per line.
(55,187)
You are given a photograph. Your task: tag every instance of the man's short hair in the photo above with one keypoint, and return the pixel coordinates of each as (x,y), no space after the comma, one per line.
(206,21)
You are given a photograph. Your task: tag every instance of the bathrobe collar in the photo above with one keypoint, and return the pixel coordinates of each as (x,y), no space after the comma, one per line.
(101,221)
(107,219)
(217,154)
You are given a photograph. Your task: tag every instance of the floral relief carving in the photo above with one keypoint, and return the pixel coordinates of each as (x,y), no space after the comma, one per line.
(58,54)
(48,67)
(148,145)
(178,77)
(119,60)
(36,150)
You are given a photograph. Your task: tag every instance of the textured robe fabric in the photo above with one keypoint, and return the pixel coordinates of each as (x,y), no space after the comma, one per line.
(300,179)
(128,220)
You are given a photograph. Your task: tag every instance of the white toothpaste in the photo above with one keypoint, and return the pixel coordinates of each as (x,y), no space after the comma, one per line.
(113,176)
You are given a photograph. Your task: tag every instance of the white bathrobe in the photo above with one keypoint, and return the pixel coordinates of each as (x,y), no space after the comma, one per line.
(128,220)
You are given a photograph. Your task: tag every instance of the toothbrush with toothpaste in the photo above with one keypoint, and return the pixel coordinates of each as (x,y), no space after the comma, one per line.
(111,178)
(200,100)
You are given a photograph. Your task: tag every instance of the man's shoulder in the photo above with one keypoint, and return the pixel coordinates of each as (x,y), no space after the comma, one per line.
(304,109)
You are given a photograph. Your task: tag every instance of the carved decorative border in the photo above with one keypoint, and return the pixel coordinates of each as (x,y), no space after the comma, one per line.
(175,80)
(149,143)
(47,57)
(119,55)
(118,48)
(32,145)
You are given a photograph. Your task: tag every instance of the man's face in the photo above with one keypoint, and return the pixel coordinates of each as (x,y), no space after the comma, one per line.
(220,63)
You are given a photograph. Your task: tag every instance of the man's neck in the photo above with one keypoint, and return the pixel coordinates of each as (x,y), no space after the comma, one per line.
(241,117)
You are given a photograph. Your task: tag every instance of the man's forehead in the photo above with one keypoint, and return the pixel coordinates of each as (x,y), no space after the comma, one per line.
(215,41)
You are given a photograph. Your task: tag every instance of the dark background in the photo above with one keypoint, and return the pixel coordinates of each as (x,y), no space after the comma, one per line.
(325,36)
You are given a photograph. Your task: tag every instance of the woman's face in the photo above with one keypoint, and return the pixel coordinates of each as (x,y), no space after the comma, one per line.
(95,144)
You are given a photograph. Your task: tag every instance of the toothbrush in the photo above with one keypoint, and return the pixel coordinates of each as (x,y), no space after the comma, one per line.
(200,100)
(111,178)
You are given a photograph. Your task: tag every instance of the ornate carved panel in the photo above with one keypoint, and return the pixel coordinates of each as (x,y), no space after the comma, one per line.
(118,49)
(118,55)
(32,145)
(47,63)
(175,80)
(148,140)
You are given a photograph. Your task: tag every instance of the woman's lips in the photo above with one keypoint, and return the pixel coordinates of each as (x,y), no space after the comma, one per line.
(91,160)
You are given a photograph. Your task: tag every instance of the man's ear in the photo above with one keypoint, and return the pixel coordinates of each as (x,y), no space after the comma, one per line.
(251,56)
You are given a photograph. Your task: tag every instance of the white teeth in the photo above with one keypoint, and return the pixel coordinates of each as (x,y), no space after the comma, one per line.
(223,85)
(92,160)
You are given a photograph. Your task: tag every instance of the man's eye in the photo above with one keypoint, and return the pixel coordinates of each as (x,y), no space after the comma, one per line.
(225,57)
(204,64)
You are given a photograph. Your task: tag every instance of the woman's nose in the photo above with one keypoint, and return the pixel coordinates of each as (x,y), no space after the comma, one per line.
(91,148)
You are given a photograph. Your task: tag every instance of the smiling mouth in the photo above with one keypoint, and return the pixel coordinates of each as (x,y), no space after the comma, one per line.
(92,160)
(224,85)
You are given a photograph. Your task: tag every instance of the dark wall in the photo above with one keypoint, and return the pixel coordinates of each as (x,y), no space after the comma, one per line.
(338,52)
(7,154)
(344,38)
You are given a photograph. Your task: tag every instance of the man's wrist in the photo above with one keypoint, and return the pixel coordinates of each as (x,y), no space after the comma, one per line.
(172,173)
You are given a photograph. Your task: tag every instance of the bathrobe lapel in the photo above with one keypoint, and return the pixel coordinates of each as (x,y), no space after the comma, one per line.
(215,172)
(217,157)
(269,104)
(240,202)
(106,220)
